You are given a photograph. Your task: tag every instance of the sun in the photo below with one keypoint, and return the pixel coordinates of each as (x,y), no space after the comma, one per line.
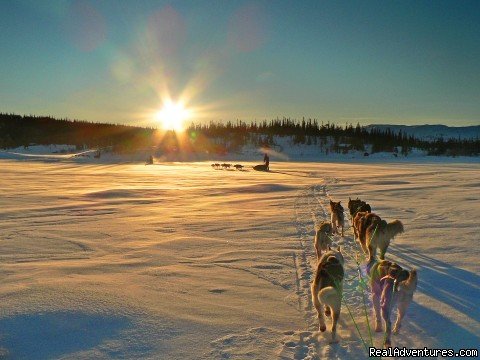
(173,115)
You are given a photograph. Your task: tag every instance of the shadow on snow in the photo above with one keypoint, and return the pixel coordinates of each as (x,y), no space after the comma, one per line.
(51,335)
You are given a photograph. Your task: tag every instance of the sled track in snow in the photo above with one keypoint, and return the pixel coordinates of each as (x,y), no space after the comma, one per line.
(311,208)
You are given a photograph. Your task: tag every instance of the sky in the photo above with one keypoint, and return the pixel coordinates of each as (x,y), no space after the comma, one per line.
(372,62)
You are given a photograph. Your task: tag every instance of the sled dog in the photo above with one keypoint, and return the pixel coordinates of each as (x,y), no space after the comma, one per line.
(391,285)
(380,235)
(327,289)
(322,238)
(337,218)
(361,223)
(357,205)
(372,232)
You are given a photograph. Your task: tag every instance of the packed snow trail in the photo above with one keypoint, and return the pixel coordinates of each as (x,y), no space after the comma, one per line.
(311,208)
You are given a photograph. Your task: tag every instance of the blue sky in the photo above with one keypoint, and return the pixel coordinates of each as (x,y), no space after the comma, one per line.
(401,62)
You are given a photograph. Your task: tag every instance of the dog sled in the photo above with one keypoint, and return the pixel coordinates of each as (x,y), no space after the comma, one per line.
(261,167)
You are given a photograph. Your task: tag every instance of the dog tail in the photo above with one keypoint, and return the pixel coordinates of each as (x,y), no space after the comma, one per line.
(395,227)
(318,275)
(412,278)
(331,297)
(316,285)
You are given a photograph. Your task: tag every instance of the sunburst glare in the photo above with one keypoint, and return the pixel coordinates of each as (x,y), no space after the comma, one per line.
(173,115)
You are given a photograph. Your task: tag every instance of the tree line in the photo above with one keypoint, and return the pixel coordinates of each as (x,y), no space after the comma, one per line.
(222,137)
(332,137)
(17,130)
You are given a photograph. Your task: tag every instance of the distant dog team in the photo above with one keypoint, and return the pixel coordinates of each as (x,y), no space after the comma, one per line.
(226,166)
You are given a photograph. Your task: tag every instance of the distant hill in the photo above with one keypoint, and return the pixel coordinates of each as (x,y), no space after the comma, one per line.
(432,132)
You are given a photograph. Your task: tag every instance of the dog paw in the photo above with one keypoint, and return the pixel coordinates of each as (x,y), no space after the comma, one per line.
(322,328)
(378,328)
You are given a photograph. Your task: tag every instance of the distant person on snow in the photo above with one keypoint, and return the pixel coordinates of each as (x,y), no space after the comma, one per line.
(266,160)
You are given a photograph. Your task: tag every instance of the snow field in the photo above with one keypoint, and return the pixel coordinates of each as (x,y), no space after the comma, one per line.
(180,261)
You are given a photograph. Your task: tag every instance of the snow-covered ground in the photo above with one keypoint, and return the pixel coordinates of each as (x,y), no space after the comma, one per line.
(181,261)
(284,150)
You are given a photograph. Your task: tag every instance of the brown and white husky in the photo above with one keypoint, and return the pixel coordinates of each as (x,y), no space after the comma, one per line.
(327,289)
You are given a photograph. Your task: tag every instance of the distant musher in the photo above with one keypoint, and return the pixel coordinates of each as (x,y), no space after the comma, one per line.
(265,165)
